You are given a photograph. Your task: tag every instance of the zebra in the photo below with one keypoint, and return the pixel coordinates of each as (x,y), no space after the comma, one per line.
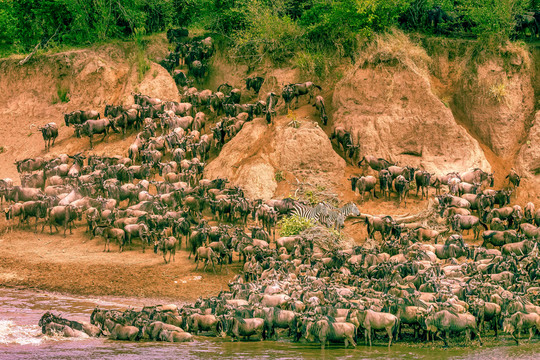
(336,217)
(309,212)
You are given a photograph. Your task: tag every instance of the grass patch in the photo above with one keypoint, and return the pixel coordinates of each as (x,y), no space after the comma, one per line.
(141,61)
(498,92)
(314,64)
(294,225)
(62,94)
(279,177)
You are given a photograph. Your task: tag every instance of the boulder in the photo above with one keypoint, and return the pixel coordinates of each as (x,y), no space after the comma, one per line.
(253,156)
(392,113)
(496,102)
(529,155)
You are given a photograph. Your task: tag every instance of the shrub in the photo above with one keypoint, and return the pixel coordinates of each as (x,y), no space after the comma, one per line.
(279,176)
(294,225)
(313,63)
(63,93)
(268,36)
(498,91)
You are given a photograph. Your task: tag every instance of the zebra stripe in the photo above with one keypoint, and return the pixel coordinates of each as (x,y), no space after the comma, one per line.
(309,212)
(336,217)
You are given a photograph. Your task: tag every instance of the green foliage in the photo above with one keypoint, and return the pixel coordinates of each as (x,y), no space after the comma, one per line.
(268,36)
(498,91)
(278,176)
(25,23)
(314,63)
(309,34)
(337,24)
(294,225)
(494,20)
(143,65)
(312,197)
(62,94)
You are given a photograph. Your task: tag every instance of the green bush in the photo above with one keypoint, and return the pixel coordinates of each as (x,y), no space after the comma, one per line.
(268,36)
(279,177)
(294,225)
(494,20)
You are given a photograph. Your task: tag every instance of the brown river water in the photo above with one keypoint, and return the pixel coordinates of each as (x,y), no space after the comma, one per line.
(20,338)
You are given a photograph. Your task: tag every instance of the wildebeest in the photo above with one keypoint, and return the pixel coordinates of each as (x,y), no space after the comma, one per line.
(319,105)
(422,179)
(108,233)
(383,225)
(271,102)
(62,215)
(166,245)
(364,184)
(514,179)
(254,83)
(121,332)
(238,327)
(460,222)
(385,183)
(402,188)
(373,320)
(325,331)
(446,321)
(80,116)
(376,164)
(140,231)
(294,91)
(29,165)
(50,133)
(521,321)
(345,141)
(208,255)
(101,126)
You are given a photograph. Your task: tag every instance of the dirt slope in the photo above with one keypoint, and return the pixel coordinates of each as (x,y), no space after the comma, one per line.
(252,158)
(92,78)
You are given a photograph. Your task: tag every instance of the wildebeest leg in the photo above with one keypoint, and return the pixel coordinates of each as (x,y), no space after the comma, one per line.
(205,264)
(477,333)
(389,332)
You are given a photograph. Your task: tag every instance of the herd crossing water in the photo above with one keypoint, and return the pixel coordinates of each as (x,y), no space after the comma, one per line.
(21,338)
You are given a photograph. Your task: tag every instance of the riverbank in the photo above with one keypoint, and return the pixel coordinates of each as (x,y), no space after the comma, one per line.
(77,265)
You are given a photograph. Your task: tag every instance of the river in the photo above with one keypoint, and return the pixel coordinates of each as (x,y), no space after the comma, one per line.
(21,338)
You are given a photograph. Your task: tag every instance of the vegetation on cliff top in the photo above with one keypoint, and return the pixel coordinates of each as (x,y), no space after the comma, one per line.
(306,33)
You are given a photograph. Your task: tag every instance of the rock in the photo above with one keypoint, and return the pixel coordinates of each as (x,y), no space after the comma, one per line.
(496,104)
(394,114)
(529,155)
(253,156)
(157,83)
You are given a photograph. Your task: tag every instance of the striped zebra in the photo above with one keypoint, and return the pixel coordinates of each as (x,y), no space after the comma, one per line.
(309,212)
(336,217)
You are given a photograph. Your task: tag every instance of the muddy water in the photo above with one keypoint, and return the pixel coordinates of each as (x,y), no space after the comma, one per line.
(20,338)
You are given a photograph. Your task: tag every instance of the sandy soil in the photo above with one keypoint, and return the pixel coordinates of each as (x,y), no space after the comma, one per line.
(77,264)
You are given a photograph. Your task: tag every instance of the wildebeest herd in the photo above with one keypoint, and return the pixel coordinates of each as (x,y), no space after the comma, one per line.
(422,280)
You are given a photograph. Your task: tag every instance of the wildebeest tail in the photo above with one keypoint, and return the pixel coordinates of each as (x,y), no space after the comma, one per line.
(483,224)
(395,329)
